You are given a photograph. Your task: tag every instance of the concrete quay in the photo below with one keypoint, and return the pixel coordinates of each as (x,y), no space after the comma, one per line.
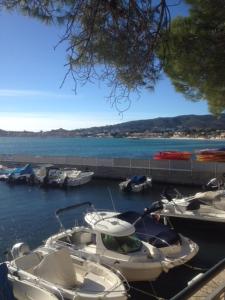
(208,286)
(189,172)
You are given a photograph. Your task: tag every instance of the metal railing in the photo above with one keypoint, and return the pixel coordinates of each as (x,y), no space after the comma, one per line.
(194,287)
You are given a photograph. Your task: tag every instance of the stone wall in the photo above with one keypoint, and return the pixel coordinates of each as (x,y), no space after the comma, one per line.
(166,171)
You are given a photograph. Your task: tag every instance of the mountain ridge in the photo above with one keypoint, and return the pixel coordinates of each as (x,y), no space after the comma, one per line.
(159,124)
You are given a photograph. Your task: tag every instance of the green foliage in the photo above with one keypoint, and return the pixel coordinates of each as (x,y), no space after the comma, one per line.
(119,35)
(129,39)
(196,62)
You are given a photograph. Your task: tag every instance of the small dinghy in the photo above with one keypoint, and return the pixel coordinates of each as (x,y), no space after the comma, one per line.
(113,242)
(136,184)
(50,274)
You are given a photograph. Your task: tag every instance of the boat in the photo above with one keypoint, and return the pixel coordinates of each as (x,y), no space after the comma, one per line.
(112,242)
(48,274)
(173,155)
(62,177)
(74,177)
(212,155)
(4,172)
(201,209)
(175,247)
(49,175)
(136,184)
(21,175)
(14,288)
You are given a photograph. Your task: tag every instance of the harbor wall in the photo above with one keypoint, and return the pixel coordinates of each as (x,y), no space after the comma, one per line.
(167,171)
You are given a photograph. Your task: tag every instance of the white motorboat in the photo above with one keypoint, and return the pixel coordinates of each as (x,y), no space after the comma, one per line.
(14,288)
(203,206)
(206,207)
(175,247)
(49,175)
(113,242)
(74,177)
(49,274)
(62,177)
(136,184)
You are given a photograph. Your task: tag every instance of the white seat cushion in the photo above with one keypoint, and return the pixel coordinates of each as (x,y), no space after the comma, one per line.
(57,268)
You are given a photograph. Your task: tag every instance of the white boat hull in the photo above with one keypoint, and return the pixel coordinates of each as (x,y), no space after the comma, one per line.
(136,188)
(25,290)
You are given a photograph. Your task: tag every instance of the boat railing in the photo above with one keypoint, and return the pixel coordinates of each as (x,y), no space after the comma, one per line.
(153,236)
(59,211)
(202,281)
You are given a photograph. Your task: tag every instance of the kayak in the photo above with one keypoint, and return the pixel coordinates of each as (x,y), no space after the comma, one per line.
(214,155)
(173,155)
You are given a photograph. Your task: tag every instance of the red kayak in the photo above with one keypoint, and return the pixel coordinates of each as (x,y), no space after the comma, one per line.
(214,155)
(173,155)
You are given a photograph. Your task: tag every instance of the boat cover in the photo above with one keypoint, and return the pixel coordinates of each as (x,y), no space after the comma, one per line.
(138,179)
(6,290)
(27,169)
(149,230)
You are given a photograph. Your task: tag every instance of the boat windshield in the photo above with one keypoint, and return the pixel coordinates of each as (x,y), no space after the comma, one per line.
(123,244)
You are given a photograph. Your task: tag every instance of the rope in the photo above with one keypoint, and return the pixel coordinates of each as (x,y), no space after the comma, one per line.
(146,293)
(196,268)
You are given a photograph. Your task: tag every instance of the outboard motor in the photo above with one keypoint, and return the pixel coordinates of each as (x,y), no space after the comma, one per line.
(214,184)
(19,250)
(157,205)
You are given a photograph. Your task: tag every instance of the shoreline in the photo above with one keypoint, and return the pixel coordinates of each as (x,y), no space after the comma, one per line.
(125,137)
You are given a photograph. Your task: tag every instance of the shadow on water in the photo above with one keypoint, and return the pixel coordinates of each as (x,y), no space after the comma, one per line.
(27,214)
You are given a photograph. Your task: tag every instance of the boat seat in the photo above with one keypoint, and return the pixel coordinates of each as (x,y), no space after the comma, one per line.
(86,238)
(82,238)
(57,268)
(28,261)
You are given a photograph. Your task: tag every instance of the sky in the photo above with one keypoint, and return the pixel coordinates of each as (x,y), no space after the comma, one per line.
(31,73)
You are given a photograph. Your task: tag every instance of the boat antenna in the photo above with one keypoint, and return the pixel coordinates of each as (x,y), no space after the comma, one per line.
(110,194)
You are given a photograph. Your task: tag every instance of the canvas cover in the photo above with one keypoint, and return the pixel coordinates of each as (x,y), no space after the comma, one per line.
(27,169)
(149,230)
(138,179)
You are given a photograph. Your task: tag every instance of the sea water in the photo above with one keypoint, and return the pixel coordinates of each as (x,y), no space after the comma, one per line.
(27,213)
(101,147)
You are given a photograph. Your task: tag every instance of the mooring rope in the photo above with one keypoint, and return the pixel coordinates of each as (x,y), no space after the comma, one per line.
(146,293)
(196,268)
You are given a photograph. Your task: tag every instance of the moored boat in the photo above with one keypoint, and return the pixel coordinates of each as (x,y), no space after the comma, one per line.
(57,275)
(136,184)
(205,208)
(113,242)
(22,175)
(62,177)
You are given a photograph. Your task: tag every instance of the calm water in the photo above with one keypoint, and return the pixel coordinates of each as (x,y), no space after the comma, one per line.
(27,214)
(100,147)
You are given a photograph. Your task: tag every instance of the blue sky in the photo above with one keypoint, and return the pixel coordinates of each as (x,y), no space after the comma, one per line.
(31,74)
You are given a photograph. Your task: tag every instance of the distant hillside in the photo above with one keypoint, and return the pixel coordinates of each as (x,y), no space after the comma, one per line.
(186,122)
